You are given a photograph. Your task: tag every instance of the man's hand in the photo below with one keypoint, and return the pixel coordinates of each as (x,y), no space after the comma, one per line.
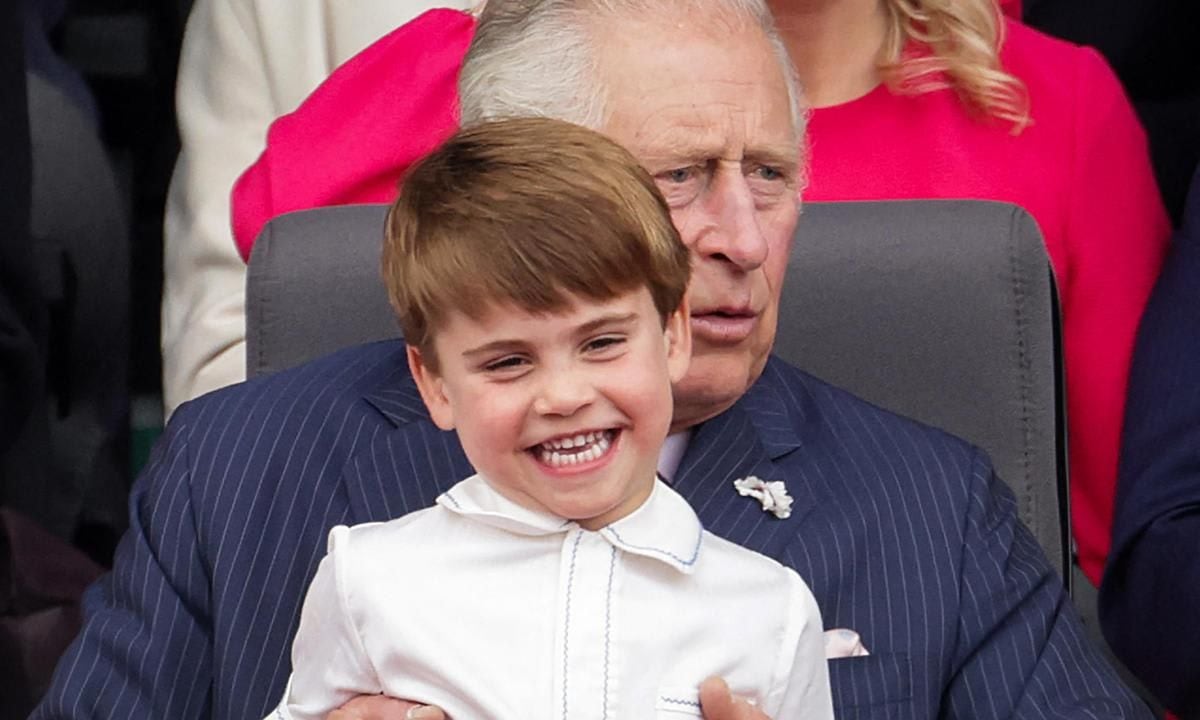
(717,703)
(381,707)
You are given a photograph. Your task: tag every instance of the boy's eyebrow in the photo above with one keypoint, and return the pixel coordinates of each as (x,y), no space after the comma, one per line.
(603,321)
(587,328)
(496,346)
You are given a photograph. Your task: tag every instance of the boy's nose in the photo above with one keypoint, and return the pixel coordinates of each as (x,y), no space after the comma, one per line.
(563,393)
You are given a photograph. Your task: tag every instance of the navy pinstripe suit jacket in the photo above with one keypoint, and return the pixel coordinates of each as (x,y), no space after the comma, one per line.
(903,532)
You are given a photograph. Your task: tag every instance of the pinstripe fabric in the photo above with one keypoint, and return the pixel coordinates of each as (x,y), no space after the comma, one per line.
(902,532)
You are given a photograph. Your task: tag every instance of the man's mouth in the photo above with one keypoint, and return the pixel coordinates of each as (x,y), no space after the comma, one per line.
(724,325)
(570,450)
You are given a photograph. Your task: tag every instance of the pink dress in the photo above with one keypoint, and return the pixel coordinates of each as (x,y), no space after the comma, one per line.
(1081,169)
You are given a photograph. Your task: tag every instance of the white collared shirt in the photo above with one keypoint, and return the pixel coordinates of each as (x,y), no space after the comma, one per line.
(671,454)
(491,610)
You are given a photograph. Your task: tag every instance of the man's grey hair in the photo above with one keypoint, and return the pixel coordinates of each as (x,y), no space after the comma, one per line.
(536,57)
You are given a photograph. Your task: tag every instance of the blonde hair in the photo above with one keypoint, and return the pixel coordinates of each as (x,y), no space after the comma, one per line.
(938,44)
(532,212)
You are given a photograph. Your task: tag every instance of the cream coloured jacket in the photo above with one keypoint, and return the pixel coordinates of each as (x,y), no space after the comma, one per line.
(243,64)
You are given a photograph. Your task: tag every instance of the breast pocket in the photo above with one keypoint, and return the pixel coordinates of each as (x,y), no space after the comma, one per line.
(872,687)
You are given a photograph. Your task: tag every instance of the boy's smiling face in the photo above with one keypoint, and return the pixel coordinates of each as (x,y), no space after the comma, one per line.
(562,412)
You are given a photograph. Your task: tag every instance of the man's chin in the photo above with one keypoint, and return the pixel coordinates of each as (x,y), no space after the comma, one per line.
(711,387)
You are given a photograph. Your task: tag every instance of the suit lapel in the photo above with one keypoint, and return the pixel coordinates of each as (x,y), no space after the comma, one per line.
(751,438)
(407,462)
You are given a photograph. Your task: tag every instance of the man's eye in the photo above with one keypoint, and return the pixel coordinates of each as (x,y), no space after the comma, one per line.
(766,172)
(680,175)
(681,185)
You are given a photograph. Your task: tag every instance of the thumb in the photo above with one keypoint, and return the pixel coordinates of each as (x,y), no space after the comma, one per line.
(716,702)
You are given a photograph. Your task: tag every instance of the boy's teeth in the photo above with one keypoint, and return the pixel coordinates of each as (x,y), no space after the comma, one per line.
(574,450)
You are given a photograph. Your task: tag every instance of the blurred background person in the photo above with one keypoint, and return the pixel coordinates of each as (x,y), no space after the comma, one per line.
(42,575)
(22,313)
(242,64)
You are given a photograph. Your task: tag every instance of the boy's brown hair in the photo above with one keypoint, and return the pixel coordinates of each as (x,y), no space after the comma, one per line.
(529,211)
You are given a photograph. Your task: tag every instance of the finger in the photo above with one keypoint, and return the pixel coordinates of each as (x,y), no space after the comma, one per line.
(380,707)
(716,702)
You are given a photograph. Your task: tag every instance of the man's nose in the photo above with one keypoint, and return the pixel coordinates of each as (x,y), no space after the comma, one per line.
(732,232)
(563,392)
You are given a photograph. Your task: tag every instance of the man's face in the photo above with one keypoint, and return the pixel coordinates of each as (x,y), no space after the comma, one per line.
(706,112)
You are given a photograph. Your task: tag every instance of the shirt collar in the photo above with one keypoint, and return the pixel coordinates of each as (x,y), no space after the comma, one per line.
(672,452)
(664,528)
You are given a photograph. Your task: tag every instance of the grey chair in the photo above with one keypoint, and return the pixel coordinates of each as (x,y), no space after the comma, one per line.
(940,310)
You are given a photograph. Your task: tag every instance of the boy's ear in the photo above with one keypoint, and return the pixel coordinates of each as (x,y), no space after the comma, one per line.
(433,390)
(678,337)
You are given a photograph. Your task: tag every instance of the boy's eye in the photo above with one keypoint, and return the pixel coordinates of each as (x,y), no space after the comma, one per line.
(509,363)
(604,343)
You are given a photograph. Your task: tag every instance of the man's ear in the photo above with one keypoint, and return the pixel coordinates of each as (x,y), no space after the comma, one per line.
(678,337)
(433,390)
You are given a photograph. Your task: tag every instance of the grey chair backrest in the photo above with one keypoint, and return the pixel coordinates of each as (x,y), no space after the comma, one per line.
(940,310)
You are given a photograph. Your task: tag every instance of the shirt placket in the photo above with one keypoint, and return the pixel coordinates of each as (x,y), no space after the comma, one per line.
(585,676)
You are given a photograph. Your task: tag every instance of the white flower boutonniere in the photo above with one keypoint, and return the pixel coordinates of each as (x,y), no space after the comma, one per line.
(773,495)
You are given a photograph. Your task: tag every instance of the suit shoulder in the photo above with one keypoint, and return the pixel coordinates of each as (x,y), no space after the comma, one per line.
(329,384)
(813,404)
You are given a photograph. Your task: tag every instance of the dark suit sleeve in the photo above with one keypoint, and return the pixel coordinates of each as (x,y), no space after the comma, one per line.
(145,650)
(1021,650)
(1150,596)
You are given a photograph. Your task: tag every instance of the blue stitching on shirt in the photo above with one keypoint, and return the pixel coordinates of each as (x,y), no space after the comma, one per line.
(451,499)
(660,551)
(567,624)
(679,701)
(612,566)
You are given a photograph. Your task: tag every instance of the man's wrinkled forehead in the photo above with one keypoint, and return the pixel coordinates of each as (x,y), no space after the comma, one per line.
(673,66)
(667,106)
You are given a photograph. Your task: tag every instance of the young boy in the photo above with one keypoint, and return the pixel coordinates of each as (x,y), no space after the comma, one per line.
(540,286)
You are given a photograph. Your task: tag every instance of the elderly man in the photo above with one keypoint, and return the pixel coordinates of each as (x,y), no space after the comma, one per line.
(904,533)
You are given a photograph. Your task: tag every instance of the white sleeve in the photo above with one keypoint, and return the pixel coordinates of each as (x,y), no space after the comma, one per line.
(800,688)
(330,665)
(224,103)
